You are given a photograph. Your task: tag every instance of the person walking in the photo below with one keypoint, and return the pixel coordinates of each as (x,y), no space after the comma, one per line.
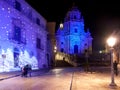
(115,65)
(22,69)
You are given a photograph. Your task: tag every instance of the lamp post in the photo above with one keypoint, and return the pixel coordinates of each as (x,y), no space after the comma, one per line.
(86,57)
(111,42)
(55,50)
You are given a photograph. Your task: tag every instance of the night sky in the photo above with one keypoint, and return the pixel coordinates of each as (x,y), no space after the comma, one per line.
(102,17)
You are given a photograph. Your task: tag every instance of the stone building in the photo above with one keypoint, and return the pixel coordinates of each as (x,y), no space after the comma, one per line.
(23,36)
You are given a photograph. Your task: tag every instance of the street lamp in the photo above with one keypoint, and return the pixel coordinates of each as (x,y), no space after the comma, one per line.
(111,42)
(55,51)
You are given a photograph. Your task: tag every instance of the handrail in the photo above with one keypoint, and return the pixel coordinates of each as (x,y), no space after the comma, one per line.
(71,81)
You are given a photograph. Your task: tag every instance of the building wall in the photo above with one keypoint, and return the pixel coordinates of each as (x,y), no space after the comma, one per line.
(20,26)
(51,42)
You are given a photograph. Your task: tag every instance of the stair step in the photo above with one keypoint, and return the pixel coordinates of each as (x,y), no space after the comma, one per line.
(61,63)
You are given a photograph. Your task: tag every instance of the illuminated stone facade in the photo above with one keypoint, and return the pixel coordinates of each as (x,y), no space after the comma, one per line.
(23,36)
(71,37)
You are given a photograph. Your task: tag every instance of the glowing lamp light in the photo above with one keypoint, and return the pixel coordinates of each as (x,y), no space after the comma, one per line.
(61,26)
(111,41)
(100,51)
(55,48)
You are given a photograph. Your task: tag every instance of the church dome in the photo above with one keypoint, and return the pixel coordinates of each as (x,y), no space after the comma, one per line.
(73,14)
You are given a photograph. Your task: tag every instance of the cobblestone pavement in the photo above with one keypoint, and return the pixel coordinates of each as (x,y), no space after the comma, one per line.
(98,78)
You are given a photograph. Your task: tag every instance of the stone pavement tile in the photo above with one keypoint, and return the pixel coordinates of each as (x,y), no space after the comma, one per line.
(94,81)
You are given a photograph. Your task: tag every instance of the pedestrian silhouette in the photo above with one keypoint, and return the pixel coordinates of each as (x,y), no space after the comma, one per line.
(29,69)
(115,67)
(25,71)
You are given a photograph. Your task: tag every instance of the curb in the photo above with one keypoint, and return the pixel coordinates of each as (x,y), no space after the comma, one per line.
(9,77)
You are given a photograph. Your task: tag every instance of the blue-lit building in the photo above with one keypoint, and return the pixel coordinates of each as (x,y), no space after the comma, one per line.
(71,38)
(23,36)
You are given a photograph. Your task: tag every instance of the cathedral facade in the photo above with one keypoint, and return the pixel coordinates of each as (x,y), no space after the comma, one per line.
(23,36)
(71,37)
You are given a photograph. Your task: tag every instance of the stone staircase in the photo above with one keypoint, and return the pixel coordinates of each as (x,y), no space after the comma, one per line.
(62,63)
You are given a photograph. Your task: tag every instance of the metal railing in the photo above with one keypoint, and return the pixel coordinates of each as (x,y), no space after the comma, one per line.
(71,82)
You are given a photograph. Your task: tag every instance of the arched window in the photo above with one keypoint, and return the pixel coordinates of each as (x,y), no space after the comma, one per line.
(75,17)
(75,48)
(62,50)
(75,30)
(17,34)
(61,42)
(16,57)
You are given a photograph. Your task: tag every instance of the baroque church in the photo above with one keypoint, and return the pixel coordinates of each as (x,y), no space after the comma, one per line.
(71,37)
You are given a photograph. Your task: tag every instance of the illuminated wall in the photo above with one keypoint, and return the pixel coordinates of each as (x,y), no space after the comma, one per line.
(22,36)
(71,38)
